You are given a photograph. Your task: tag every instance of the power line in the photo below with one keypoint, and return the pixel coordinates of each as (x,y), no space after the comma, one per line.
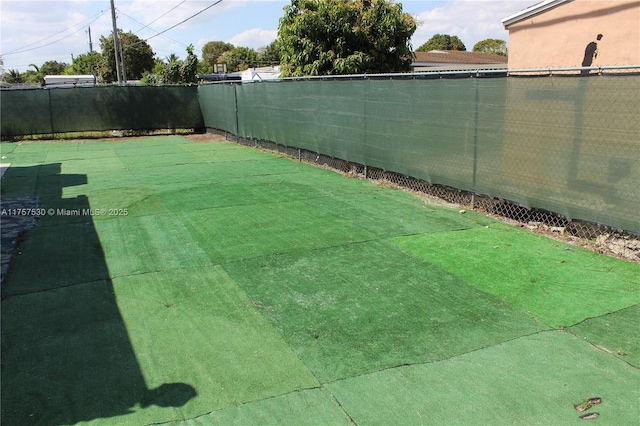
(147,26)
(161,16)
(185,20)
(179,23)
(24,48)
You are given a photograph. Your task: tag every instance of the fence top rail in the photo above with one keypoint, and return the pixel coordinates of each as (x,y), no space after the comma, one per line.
(479,72)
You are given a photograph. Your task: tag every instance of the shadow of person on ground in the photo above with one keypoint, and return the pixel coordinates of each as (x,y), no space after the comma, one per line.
(66,353)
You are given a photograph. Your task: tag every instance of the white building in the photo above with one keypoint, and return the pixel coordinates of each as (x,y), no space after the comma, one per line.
(263,73)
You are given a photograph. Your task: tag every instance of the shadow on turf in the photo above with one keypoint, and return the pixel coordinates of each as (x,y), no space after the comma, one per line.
(66,353)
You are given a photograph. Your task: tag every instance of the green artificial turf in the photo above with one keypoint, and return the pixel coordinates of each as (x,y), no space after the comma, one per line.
(140,162)
(558,283)
(392,212)
(7,148)
(533,380)
(223,285)
(243,232)
(84,166)
(127,201)
(358,308)
(241,191)
(223,152)
(196,326)
(19,182)
(308,407)
(26,158)
(98,181)
(52,257)
(81,155)
(45,146)
(67,358)
(141,244)
(616,333)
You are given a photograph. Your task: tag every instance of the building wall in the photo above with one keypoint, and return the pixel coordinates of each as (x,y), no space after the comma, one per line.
(559,37)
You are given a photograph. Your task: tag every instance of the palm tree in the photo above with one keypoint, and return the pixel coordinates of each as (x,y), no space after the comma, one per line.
(172,58)
(13,76)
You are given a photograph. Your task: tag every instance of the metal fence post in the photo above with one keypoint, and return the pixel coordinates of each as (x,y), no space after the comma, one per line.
(475,139)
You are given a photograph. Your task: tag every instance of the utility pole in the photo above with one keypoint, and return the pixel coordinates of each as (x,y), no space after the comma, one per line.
(124,70)
(115,41)
(90,42)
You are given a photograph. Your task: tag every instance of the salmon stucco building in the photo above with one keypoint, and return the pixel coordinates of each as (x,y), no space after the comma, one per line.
(575,33)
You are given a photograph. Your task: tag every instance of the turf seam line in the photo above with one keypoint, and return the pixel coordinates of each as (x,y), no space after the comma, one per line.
(603,349)
(8,296)
(441,360)
(603,315)
(415,234)
(155,271)
(265,203)
(342,408)
(310,250)
(122,162)
(596,346)
(166,166)
(320,386)
(56,225)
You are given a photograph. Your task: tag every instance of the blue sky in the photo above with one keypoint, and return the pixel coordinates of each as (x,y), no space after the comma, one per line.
(35,31)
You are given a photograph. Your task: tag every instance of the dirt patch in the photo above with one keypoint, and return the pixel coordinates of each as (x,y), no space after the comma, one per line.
(205,137)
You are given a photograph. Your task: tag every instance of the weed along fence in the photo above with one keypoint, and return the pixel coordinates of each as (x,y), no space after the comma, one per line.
(553,143)
(81,109)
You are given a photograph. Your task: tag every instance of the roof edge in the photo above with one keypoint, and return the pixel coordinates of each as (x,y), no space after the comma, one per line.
(532,11)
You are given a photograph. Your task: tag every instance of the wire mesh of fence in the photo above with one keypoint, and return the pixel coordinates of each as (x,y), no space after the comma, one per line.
(556,151)
(596,237)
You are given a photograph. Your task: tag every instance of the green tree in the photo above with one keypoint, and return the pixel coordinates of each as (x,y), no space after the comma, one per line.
(213,50)
(87,63)
(175,72)
(442,42)
(155,76)
(324,37)
(270,55)
(37,74)
(172,58)
(138,56)
(31,76)
(13,76)
(204,68)
(171,74)
(491,45)
(240,58)
(189,67)
(52,68)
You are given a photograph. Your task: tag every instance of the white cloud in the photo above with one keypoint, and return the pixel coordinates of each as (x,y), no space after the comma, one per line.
(166,13)
(33,23)
(44,30)
(470,20)
(254,38)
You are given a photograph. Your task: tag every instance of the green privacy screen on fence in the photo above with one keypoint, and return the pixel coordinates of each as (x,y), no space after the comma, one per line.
(43,111)
(221,104)
(570,145)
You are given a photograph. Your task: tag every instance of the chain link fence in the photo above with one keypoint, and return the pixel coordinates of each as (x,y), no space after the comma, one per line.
(596,237)
(102,108)
(556,153)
